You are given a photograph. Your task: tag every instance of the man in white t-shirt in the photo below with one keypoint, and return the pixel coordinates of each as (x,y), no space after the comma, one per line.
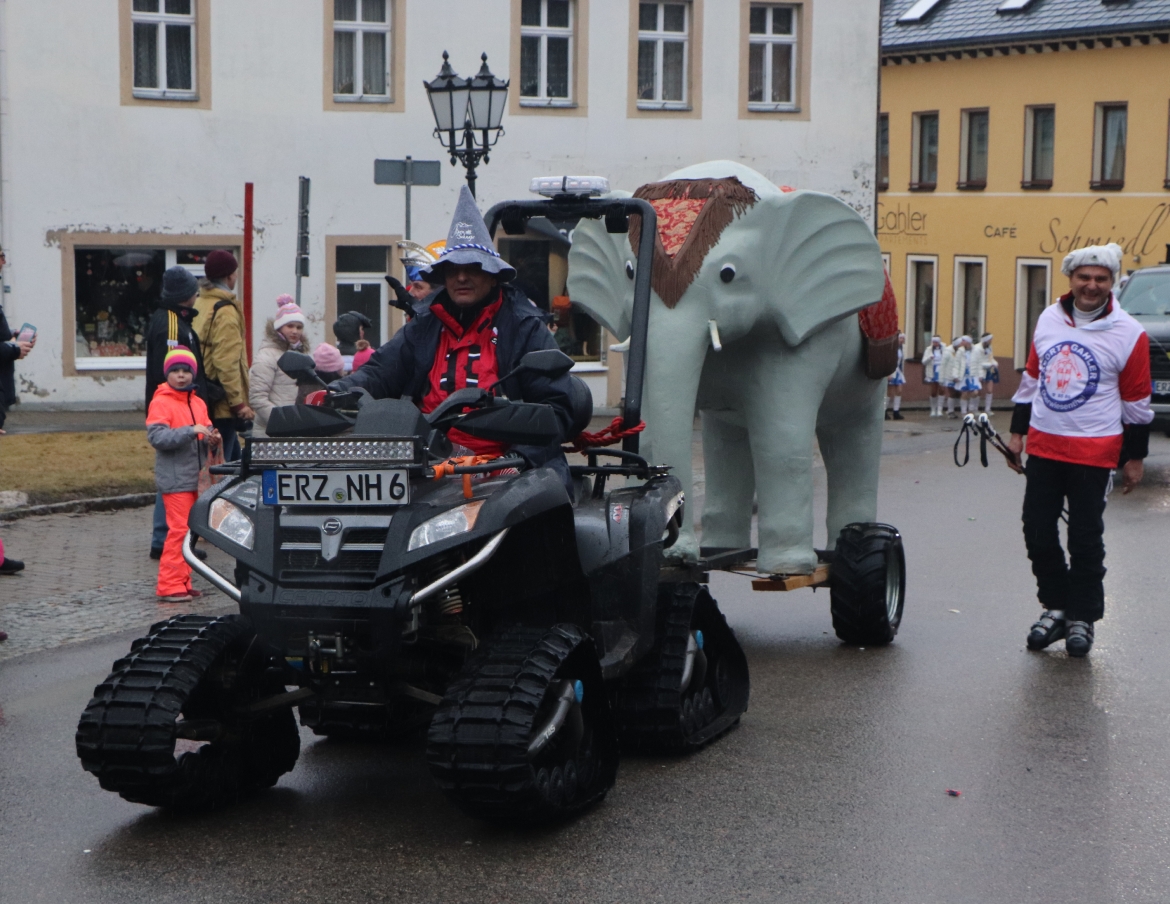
(1084,406)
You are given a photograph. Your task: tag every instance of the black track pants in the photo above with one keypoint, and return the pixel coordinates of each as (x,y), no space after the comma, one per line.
(1077,587)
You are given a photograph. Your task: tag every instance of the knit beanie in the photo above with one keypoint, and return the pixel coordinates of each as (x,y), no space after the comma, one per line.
(287,312)
(219,264)
(178,284)
(327,358)
(180,356)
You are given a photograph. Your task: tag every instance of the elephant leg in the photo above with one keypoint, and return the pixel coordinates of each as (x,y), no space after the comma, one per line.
(849,431)
(781,390)
(731,484)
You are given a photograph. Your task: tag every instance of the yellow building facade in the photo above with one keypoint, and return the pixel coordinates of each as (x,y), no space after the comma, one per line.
(1035,149)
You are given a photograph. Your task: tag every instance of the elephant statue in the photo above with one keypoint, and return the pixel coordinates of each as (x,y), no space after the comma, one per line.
(751,325)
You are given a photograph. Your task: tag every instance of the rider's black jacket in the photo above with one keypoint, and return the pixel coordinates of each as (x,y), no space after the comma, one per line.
(401,368)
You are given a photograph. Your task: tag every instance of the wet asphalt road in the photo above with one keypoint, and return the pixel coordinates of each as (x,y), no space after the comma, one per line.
(832,788)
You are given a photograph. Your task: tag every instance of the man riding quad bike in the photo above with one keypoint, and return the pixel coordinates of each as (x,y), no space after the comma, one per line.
(414,551)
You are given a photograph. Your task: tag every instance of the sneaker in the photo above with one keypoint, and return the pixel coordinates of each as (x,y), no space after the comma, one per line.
(11,566)
(1050,628)
(1080,638)
(156,552)
(898,416)
(175,598)
(200,554)
(194,594)
(888,413)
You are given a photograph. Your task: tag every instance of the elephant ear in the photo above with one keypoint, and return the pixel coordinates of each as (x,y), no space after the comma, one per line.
(598,280)
(820,260)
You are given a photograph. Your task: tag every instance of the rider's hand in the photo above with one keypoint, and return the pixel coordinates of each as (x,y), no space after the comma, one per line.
(317,397)
(1015,445)
(1132,472)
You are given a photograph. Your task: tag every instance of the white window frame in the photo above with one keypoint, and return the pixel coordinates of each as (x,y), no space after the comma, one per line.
(1030,144)
(1022,339)
(965,180)
(769,41)
(359,28)
(1099,145)
(544,32)
(660,38)
(129,362)
(364,279)
(957,298)
(161,20)
(911,318)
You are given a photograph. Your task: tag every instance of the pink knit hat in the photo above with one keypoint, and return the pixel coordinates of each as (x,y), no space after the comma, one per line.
(287,312)
(327,358)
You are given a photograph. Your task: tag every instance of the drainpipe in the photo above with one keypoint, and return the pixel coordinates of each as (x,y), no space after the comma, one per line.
(248,268)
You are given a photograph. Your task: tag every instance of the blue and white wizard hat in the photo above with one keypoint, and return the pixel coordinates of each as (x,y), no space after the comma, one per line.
(468,242)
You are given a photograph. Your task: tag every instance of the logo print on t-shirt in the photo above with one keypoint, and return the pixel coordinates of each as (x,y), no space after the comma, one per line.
(1069,376)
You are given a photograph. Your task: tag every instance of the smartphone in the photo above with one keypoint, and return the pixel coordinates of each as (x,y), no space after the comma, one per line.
(27,333)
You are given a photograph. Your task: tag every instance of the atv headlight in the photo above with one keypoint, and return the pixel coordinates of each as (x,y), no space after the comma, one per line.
(451,522)
(228,520)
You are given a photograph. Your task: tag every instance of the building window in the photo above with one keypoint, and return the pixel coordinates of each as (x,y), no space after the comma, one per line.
(116,290)
(360,278)
(164,49)
(1032,297)
(970,291)
(1039,146)
(663,45)
(921,273)
(772,32)
(884,152)
(361,50)
(973,150)
(924,151)
(546,52)
(1109,147)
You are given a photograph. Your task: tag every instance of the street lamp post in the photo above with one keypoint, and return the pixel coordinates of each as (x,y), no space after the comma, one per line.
(468,106)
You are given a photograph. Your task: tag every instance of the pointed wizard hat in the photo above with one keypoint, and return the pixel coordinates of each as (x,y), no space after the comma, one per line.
(468,242)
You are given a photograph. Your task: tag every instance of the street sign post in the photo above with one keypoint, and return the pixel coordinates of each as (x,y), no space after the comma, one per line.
(407,172)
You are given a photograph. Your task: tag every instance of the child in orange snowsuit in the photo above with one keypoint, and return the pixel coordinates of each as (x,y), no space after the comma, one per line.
(178,427)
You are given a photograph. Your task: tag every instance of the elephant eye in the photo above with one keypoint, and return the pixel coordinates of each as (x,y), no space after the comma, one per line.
(629,269)
(727,274)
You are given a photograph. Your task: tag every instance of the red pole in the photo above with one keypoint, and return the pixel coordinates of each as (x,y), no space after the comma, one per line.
(248,267)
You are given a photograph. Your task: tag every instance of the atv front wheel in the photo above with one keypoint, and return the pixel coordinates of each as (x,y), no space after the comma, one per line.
(188,684)
(867,585)
(524,734)
(692,686)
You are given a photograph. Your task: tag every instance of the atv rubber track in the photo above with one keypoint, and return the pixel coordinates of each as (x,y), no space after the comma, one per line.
(127,733)
(649,706)
(477,745)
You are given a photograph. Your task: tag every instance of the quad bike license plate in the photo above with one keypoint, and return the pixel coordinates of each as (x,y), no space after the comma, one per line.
(336,487)
(1162,387)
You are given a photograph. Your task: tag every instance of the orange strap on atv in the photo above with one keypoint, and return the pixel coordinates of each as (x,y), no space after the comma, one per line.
(606,436)
(447,468)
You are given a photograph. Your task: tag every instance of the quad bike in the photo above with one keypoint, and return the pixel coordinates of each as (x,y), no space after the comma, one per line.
(385,588)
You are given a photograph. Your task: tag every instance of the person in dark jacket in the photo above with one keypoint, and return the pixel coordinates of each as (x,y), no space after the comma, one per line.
(171,326)
(476,330)
(11,351)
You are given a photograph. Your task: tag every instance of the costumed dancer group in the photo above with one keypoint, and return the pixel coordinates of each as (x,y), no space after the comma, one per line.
(960,371)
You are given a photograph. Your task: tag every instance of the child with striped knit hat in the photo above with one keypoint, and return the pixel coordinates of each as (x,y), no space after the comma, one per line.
(178,426)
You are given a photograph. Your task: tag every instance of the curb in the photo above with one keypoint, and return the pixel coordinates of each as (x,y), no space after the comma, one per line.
(101,504)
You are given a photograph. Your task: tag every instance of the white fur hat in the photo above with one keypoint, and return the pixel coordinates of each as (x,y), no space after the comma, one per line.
(1094,256)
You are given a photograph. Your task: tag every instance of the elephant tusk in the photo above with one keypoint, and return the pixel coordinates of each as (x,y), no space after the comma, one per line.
(621,347)
(713,327)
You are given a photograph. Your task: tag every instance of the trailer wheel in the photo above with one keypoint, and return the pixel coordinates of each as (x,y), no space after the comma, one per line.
(867,587)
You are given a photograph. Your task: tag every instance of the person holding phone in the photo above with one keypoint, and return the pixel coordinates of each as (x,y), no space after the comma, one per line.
(12,349)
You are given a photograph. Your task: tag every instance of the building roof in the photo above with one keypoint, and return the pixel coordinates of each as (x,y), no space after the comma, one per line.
(941,24)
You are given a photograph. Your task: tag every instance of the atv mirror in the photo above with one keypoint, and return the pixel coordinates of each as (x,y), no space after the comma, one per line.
(300,367)
(552,362)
